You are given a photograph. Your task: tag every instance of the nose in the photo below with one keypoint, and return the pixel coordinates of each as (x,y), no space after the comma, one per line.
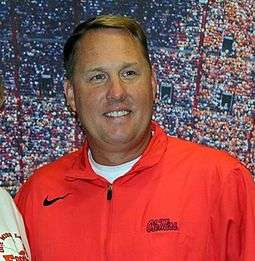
(116,90)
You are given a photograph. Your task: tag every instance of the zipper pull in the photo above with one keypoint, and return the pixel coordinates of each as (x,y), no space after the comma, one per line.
(109,192)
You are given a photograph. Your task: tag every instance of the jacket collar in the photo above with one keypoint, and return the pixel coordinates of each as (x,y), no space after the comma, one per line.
(81,168)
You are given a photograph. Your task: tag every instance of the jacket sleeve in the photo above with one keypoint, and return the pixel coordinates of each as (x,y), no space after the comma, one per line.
(233,218)
(24,202)
(248,226)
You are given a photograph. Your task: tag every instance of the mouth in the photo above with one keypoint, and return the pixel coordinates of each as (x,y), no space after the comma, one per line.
(117,114)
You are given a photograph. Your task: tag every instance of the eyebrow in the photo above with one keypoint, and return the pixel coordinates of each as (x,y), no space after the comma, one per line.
(129,64)
(102,68)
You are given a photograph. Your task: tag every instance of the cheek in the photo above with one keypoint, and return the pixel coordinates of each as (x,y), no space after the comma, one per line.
(82,105)
(89,104)
(83,98)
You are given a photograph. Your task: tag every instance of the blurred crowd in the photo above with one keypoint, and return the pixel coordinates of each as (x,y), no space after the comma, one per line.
(203,56)
(228,70)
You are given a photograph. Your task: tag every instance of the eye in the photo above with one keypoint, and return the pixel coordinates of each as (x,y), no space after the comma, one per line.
(97,78)
(129,74)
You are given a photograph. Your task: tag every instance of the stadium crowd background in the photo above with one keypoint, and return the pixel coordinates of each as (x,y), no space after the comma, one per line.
(203,53)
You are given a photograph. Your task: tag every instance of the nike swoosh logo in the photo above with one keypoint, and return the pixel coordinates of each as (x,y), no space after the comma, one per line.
(47,202)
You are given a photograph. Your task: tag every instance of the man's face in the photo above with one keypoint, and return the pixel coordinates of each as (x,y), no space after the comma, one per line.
(112,89)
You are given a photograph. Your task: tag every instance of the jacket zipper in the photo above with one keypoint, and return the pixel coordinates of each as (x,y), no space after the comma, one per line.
(109,223)
(109,192)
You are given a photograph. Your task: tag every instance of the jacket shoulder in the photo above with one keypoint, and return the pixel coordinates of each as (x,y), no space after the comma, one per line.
(202,156)
(63,163)
(50,174)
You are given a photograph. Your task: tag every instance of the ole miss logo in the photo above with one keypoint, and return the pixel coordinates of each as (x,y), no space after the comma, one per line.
(162,224)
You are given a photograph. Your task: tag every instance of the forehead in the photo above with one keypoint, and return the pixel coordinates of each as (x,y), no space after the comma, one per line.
(108,43)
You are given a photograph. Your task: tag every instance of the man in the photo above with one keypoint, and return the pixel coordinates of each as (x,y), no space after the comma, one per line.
(13,241)
(131,192)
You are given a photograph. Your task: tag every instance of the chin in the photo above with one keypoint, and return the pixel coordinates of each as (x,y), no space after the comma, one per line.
(119,138)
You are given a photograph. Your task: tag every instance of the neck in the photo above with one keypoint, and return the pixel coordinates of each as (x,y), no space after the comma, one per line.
(116,154)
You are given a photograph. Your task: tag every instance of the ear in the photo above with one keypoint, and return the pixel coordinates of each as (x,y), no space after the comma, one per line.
(154,83)
(69,93)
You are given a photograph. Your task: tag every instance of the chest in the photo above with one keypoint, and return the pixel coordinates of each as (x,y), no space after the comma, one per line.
(146,219)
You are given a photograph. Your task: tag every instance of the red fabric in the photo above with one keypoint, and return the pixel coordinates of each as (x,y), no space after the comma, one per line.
(181,201)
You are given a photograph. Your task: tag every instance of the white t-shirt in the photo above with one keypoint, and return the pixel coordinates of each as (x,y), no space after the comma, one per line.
(111,173)
(13,240)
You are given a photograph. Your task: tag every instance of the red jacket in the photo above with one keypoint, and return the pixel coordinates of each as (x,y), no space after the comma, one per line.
(181,202)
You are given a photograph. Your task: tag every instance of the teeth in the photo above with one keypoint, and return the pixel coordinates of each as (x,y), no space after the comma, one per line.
(117,113)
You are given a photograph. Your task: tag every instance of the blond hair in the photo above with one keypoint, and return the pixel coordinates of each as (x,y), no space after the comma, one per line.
(100,22)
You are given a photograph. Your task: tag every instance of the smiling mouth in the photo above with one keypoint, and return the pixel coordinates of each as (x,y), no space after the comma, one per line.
(116,114)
